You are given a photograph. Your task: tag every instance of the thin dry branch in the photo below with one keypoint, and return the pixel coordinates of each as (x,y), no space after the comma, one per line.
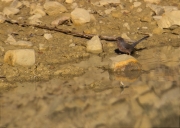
(68,32)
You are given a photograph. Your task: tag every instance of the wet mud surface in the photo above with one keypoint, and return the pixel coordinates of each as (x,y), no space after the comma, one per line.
(71,88)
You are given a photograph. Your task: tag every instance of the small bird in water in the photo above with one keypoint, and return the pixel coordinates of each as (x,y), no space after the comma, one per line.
(125,47)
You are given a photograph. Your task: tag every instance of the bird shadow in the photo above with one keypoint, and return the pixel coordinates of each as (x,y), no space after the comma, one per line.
(119,52)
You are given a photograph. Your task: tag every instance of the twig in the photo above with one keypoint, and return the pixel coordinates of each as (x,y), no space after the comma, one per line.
(68,32)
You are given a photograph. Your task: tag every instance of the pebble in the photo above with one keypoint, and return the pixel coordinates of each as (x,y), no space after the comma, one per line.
(47,36)
(168,19)
(74,5)
(108,11)
(80,16)
(123,63)
(42,47)
(69,1)
(34,19)
(23,43)
(152,1)
(53,7)
(60,20)
(106,2)
(10,39)
(94,45)
(126,25)
(2,19)
(7,1)
(23,57)
(16,4)
(7,11)
(136,4)
(139,10)
(72,45)
(37,9)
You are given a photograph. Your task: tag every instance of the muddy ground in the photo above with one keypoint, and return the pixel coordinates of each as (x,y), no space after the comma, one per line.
(71,88)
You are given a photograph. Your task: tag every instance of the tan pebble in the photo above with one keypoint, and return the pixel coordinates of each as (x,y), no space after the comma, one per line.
(124,63)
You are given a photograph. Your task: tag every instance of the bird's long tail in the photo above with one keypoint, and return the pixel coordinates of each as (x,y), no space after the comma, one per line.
(137,42)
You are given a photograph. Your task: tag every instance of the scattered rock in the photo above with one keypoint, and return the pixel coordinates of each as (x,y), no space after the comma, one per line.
(35,19)
(12,41)
(42,47)
(106,2)
(72,45)
(152,1)
(7,11)
(26,3)
(80,16)
(23,43)
(2,19)
(74,5)
(7,1)
(1,51)
(94,45)
(60,20)
(158,31)
(168,19)
(69,1)
(24,57)
(108,11)
(126,25)
(47,36)
(37,9)
(16,4)
(123,63)
(136,4)
(53,8)
(126,37)
(139,10)
(159,10)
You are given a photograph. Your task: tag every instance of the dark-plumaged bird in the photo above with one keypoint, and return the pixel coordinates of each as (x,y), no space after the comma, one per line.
(125,47)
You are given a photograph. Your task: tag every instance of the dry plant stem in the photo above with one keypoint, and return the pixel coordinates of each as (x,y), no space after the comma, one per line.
(68,32)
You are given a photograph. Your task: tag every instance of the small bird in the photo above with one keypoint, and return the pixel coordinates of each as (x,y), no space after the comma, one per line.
(125,47)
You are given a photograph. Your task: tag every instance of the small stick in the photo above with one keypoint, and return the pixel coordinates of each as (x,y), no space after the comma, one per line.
(69,32)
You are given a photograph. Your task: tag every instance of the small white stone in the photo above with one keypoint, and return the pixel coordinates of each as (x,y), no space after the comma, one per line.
(106,2)
(6,0)
(42,47)
(137,4)
(72,45)
(23,43)
(80,16)
(126,25)
(108,11)
(24,57)
(152,1)
(94,45)
(10,39)
(144,27)
(139,10)
(69,1)
(47,36)
(53,7)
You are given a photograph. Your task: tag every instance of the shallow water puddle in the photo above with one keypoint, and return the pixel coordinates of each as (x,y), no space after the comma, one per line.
(99,98)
